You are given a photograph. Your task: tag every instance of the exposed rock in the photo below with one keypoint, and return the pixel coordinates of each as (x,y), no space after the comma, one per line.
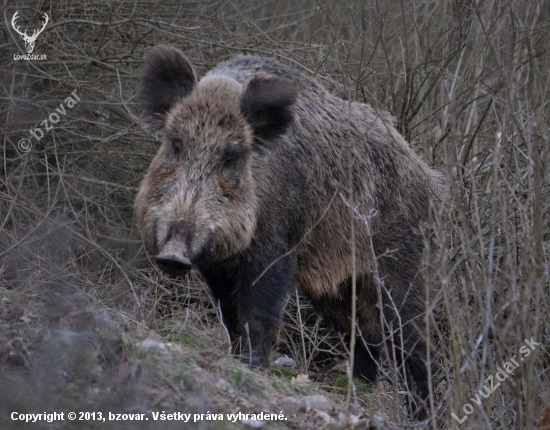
(318,402)
(253,423)
(294,404)
(285,361)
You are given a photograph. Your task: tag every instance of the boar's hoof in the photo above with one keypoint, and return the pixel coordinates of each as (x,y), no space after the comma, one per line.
(173,264)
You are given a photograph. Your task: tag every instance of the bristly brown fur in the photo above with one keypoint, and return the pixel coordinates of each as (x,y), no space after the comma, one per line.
(254,167)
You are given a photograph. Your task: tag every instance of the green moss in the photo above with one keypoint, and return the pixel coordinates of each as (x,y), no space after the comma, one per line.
(241,379)
(176,333)
(185,338)
(303,389)
(341,382)
(184,377)
(283,372)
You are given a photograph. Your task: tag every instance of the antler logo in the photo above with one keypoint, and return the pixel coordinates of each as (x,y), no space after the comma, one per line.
(29,40)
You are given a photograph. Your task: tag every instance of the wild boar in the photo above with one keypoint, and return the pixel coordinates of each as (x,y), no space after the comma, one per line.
(256,185)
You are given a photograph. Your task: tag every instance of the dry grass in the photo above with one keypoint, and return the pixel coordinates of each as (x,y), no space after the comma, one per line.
(468,82)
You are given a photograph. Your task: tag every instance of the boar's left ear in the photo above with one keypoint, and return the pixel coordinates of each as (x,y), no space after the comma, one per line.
(167,77)
(267,105)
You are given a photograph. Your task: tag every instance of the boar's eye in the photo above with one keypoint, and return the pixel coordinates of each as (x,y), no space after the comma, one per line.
(176,147)
(231,157)
(229,162)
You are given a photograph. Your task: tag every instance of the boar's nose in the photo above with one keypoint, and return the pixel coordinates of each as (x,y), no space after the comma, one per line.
(173,264)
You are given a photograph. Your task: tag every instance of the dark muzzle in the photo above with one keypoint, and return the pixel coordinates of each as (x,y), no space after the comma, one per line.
(173,264)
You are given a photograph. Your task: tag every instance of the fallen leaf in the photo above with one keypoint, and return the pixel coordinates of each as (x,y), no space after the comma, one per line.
(27,316)
(123,370)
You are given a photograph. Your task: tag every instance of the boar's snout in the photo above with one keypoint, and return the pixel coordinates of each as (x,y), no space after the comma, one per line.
(173,263)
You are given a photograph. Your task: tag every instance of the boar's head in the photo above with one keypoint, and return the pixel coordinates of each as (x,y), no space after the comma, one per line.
(199,199)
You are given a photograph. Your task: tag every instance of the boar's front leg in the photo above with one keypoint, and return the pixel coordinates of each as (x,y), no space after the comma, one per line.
(252,305)
(223,287)
(261,301)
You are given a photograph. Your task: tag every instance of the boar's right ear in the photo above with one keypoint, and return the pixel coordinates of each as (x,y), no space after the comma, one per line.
(168,76)
(267,105)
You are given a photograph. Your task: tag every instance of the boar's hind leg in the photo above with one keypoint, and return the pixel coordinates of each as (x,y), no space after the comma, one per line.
(417,379)
(336,312)
(366,361)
